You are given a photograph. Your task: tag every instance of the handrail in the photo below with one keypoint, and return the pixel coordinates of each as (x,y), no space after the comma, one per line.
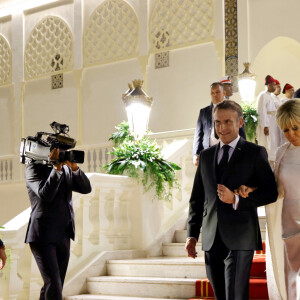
(96,155)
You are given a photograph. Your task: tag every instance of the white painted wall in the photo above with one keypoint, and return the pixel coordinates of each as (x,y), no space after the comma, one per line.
(281,59)
(180,90)
(274,39)
(102,106)
(90,101)
(42,105)
(269,19)
(6,121)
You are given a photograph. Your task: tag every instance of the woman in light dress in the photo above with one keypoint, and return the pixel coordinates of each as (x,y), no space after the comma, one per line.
(283,216)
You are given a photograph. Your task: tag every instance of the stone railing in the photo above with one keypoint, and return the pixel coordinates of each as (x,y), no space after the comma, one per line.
(96,156)
(102,223)
(117,215)
(6,168)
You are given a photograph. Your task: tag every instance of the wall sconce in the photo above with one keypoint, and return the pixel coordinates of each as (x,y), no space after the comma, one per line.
(138,107)
(247,84)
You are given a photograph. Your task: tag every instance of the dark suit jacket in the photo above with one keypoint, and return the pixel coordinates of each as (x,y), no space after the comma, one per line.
(239,229)
(203,130)
(50,193)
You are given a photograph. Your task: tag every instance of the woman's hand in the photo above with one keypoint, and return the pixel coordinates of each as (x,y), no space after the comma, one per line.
(244,191)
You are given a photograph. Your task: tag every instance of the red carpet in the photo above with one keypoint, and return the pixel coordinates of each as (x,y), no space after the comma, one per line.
(258,282)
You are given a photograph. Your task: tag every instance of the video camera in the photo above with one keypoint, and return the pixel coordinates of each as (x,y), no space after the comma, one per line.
(37,149)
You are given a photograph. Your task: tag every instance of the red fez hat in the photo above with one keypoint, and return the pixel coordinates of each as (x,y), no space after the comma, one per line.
(277,82)
(287,87)
(269,79)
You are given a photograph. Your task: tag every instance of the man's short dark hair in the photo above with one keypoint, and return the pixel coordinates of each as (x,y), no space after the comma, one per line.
(229,104)
(216,84)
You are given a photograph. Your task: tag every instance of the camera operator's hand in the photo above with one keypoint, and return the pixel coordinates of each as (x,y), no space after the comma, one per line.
(54,156)
(72,165)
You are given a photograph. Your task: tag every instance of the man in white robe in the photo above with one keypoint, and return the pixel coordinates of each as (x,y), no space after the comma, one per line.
(277,93)
(268,133)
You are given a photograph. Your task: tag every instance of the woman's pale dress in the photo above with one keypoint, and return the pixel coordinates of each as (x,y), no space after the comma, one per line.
(285,254)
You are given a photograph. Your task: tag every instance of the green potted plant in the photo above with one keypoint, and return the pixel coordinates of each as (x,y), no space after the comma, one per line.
(142,159)
(250,121)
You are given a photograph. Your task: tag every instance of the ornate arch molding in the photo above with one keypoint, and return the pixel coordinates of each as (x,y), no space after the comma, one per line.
(179,23)
(49,48)
(111,33)
(5,61)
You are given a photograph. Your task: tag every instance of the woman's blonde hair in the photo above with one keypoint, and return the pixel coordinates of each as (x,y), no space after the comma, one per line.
(288,112)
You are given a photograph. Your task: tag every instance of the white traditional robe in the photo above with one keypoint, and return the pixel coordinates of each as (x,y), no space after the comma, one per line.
(277,100)
(266,109)
(285,99)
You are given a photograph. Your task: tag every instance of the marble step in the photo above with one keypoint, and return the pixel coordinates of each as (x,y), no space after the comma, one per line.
(180,236)
(170,267)
(110,297)
(178,250)
(178,288)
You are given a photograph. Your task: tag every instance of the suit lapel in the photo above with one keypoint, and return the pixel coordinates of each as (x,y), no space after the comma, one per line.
(237,153)
(215,162)
(209,116)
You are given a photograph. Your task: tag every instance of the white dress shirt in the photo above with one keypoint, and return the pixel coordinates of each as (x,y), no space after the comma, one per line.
(212,139)
(232,146)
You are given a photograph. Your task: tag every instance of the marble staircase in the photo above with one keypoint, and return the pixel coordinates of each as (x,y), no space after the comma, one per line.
(170,276)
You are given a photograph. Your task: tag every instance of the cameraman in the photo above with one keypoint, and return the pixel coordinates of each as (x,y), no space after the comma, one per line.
(51,225)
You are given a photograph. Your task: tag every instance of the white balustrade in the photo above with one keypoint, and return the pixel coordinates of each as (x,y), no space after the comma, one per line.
(6,168)
(96,157)
(117,215)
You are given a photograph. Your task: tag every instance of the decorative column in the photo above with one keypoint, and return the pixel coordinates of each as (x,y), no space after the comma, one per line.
(231,40)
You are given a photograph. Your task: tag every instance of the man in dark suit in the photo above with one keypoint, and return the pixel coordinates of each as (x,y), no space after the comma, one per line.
(51,224)
(230,227)
(205,135)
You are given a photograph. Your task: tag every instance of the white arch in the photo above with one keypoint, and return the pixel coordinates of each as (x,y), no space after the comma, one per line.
(279,58)
(111,33)
(5,61)
(176,24)
(49,48)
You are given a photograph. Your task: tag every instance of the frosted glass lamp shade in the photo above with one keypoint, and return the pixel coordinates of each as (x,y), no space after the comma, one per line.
(247,84)
(138,107)
(247,89)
